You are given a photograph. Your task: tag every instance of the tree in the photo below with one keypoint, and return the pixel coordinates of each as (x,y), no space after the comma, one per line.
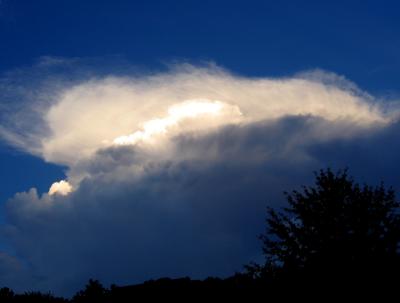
(94,293)
(36,297)
(6,295)
(336,230)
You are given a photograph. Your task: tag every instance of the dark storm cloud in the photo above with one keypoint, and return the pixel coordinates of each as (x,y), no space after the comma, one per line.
(192,217)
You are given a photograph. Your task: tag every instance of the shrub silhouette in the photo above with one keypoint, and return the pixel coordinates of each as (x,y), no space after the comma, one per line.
(8,296)
(336,232)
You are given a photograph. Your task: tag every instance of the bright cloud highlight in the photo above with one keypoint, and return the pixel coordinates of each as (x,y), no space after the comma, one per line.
(188,110)
(62,188)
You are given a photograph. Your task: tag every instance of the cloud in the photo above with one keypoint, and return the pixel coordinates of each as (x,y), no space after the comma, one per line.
(75,121)
(62,188)
(169,173)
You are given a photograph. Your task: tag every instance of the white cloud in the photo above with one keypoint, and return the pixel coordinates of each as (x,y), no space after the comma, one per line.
(80,119)
(75,120)
(98,111)
(62,188)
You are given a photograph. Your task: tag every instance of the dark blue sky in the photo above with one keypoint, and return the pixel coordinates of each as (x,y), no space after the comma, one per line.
(357,39)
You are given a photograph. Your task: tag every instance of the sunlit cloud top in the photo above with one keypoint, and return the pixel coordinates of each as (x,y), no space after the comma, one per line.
(202,109)
(62,188)
(76,121)
(79,119)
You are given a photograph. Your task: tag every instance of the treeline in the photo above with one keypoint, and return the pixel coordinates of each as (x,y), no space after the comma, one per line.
(166,288)
(333,239)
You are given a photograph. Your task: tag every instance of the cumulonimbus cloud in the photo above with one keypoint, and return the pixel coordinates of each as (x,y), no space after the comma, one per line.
(72,123)
(166,172)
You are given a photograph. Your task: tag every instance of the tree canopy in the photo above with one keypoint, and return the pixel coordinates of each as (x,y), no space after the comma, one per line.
(336,229)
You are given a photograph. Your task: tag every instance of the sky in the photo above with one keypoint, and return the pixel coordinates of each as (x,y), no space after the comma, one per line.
(142,139)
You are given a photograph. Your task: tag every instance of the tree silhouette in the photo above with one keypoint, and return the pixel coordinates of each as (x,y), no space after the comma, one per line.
(6,294)
(336,230)
(37,297)
(94,293)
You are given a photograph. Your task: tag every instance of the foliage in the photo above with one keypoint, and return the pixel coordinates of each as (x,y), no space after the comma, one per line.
(337,229)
